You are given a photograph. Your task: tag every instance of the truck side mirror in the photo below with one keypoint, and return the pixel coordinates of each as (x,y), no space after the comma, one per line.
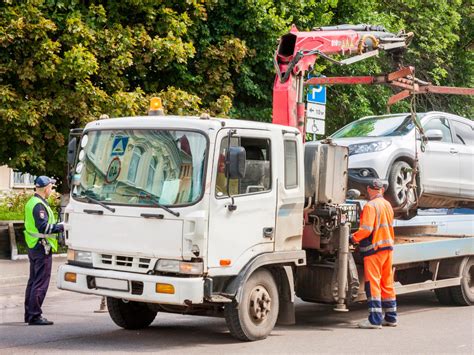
(434,135)
(71,151)
(235,164)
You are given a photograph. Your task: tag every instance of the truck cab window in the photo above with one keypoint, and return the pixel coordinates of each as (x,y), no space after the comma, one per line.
(291,164)
(257,167)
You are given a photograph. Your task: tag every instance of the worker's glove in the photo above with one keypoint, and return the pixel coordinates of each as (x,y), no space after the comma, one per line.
(65,226)
(351,241)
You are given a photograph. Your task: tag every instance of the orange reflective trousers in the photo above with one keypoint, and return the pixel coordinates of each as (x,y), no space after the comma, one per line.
(379,288)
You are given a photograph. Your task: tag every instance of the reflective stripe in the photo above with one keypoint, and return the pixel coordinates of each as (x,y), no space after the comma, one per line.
(366,227)
(392,309)
(372,246)
(38,235)
(385,225)
(375,310)
(388,299)
(50,229)
(46,230)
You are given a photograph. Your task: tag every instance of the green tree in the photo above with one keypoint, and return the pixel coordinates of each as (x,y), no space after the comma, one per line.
(64,63)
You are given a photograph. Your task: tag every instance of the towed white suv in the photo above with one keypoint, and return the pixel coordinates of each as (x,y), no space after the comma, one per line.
(384,147)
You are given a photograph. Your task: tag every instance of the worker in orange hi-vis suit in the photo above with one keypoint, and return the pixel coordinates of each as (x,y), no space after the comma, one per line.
(376,239)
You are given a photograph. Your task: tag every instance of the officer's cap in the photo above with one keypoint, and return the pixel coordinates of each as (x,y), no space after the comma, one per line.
(378,184)
(42,181)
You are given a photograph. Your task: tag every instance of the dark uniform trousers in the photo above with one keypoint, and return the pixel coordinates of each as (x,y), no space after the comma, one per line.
(40,274)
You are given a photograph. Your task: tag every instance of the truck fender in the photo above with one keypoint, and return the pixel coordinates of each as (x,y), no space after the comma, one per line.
(280,264)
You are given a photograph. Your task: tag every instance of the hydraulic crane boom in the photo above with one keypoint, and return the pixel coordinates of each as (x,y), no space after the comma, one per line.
(298,51)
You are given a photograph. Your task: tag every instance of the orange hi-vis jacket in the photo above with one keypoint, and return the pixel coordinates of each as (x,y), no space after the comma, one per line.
(376,227)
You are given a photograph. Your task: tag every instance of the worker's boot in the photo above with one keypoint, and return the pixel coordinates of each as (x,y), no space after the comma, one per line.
(389,324)
(367,325)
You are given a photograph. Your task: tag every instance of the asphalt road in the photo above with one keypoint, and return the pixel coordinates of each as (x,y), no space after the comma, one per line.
(425,327)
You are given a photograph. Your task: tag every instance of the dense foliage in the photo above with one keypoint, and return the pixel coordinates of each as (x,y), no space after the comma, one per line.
(64,63)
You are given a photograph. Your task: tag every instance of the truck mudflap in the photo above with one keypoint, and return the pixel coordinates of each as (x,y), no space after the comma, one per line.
(131,286)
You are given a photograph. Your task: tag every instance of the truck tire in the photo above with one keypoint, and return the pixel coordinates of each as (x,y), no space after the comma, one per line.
(130,315)
(399,177)
(444,296)
(257,313)
(463,295)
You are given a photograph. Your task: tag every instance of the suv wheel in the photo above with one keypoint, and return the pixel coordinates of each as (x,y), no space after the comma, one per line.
(399,192)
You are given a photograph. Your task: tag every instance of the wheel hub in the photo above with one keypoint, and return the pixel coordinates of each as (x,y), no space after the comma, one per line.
(403,186)
(260,304)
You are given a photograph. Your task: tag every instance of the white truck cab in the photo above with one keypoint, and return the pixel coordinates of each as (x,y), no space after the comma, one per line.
(150,215)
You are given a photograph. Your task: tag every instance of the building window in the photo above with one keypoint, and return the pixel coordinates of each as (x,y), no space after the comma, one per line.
(151,174)
(134,164)
(23,179)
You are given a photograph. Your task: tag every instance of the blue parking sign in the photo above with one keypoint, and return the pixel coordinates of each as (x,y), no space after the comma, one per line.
(316,94)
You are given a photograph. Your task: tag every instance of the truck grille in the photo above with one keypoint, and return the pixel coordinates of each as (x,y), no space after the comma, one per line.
(125,262)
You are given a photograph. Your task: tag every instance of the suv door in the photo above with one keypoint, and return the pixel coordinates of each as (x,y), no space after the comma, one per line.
(236,236)
(464,141)
(440,165)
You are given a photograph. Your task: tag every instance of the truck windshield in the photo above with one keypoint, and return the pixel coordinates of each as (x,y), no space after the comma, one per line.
(141,167)
(377,126)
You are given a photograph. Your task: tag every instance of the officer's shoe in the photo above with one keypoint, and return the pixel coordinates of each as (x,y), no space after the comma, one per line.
(40,321)
(367,325)
(386,323)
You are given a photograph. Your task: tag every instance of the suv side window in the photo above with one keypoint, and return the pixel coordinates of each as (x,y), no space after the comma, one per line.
(442,124)
(257,167)
(464,133)
(291,164)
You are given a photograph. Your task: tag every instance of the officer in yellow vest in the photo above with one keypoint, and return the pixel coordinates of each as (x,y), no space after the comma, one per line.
(41,231)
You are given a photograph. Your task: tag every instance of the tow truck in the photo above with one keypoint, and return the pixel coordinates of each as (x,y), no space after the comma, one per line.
(233,218)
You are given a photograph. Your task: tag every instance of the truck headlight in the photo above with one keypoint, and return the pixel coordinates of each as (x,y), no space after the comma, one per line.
(369,147)
(180,267)
(79,256)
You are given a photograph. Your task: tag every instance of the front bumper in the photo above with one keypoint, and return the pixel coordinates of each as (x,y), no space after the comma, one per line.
(186,289)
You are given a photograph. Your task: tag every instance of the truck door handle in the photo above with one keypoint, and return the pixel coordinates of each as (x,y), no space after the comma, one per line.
(152,215)
(268,232)
(453,151)
(99,212)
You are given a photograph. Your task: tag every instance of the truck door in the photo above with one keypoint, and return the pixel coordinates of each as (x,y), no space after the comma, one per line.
(235,236)
(440,165)
(290,202)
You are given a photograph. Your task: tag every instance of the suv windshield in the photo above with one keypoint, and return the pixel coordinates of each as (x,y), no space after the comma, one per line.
(377,126)
(141,167)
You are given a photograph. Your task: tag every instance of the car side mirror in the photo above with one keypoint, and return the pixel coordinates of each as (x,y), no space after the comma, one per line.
(235,164)
(434,135)
(71,151)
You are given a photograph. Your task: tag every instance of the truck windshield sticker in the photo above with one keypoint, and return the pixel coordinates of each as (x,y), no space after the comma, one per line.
(119,146)
(113,171)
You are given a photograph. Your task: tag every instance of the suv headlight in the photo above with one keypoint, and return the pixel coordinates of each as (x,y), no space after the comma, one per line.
(79,256)
(180,267)
(369,147)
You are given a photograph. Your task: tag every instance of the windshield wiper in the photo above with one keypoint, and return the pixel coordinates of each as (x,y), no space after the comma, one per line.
(97,202)
(167,209)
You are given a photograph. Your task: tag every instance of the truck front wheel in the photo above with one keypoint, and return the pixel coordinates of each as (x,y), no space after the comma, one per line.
(130,314)
(256,315)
